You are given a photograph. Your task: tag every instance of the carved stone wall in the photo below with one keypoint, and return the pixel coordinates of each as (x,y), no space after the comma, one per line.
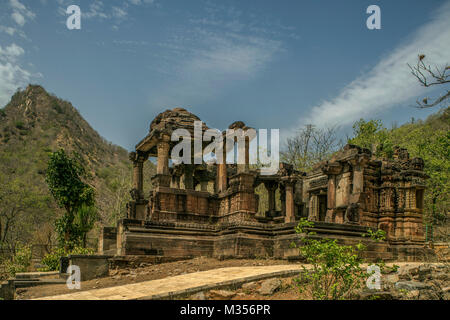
(349,193)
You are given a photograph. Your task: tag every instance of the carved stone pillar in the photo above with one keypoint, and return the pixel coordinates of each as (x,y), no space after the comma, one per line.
(313,208)
(136,209)
(175,174)
(138,175)
(188,177)
(222,184)
(162,177)
(331,198)
(203,177)
(289,198)
(271,187)
(175,182)
(358,179)
(163,156)
(282,188)
(245,168)
(358,165)
(204,186)
(331,169)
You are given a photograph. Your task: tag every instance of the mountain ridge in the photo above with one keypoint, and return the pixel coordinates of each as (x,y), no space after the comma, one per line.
(35,123)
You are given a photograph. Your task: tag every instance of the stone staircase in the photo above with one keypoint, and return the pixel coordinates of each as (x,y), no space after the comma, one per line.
(32,279)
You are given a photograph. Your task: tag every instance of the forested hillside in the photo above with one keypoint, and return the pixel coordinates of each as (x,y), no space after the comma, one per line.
(32,125)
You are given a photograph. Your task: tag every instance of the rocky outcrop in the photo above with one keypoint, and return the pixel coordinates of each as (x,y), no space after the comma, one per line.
(412,282)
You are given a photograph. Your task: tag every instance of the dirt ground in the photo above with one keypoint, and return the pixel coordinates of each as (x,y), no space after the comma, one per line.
(148,272)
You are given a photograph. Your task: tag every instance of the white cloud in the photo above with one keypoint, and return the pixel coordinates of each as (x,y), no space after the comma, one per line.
(211,56)
(12,75)
(20,12)
(18,18)
(139,2)
(11,52)
(118,12)
(389,83)
(202,70)
(9,30)
(96,10)
(15,4)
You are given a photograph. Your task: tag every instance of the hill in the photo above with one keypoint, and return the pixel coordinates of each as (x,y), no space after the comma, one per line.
(33,124)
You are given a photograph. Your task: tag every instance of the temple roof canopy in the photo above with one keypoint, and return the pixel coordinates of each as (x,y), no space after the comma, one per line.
(166,123)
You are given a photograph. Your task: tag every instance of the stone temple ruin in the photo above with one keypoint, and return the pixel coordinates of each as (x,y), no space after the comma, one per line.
(212,210)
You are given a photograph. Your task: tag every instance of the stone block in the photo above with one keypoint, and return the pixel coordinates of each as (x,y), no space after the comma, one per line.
(91,266)
(7,290)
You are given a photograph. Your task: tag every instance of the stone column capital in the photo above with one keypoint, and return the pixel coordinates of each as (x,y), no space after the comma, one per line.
(288,181)
(270,185)
(359,161)
(141,156)
(164,138)
(132,156)
(332,168)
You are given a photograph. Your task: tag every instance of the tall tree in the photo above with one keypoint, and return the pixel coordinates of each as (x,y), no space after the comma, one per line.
(309,146)
(64,178)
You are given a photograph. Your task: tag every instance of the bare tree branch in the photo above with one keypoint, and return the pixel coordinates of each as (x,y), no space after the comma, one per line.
(309,146)
(427,78)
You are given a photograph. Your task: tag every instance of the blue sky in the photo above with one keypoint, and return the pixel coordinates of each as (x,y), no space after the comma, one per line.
(271,64)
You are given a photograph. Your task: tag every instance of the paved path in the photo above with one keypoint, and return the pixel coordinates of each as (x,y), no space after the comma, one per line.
(182,284)
(190,283)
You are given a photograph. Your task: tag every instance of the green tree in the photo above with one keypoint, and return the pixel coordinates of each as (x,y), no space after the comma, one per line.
(20,204)
(372,135)
(84,221)
(64,178)
(335,269)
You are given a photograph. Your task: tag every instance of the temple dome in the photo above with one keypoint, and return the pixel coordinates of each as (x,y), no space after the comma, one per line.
(177,118)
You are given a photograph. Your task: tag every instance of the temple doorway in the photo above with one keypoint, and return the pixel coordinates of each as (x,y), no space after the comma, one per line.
(322,206)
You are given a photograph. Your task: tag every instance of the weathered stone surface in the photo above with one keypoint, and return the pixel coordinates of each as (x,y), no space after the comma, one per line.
(412,295)
(91,266)
(392,278)
(407,272)
(429,295)
(368,294)
(221,294)
(446,293)
(7,290)
(250,286)
(412,285)
(424,272)
(198,296)
(443,276)
(388,281)
(268,287)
